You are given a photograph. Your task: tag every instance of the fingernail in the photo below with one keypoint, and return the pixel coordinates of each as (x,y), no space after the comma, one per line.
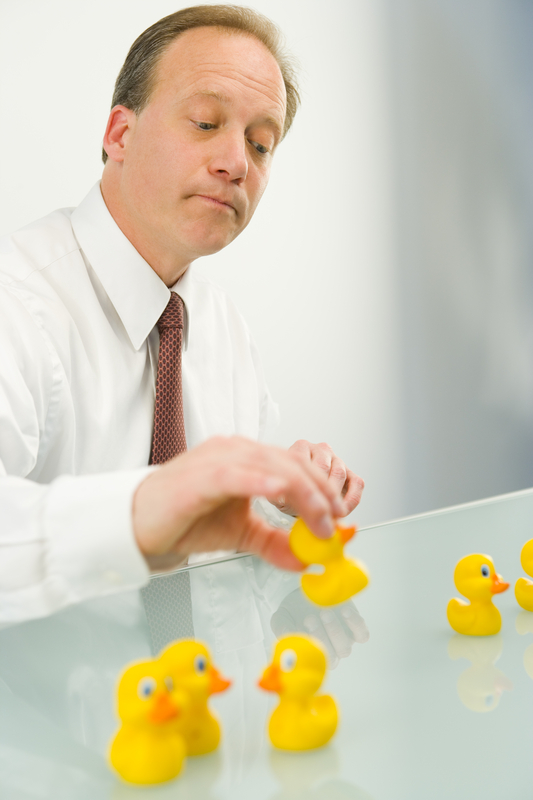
(325,526)
(327,617)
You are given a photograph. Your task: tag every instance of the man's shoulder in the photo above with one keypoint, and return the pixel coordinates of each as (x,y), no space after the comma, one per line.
(36,246)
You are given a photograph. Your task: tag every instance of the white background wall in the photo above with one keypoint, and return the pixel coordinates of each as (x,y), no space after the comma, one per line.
(312,272)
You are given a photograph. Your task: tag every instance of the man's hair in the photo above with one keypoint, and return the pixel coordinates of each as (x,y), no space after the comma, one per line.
(136,79)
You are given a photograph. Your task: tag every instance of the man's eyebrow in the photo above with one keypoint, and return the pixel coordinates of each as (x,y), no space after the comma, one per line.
(222,98)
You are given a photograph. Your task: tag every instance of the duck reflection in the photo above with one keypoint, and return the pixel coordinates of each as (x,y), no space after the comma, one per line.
(312,776)
(481,685)
(524,624)
(337,627)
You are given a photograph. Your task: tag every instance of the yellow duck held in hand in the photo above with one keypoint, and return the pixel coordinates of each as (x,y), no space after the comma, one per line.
(148,748)
(523,588)
(476,579)
(342,577)
(303,720)
(189,664)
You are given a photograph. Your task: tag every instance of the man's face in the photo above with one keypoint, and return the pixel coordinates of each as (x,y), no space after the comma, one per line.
(196,160)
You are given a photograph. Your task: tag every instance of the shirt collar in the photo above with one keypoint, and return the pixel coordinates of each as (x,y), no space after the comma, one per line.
(136,291)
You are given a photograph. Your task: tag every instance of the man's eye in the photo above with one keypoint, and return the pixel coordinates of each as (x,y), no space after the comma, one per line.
(260,148)
(205,126)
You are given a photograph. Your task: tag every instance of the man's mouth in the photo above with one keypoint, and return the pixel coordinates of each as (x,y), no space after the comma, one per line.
(216,201)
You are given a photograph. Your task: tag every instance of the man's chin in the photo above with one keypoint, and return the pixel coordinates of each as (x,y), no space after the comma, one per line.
(211,245)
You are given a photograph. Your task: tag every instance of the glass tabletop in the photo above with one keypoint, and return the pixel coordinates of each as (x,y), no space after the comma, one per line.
(425,713)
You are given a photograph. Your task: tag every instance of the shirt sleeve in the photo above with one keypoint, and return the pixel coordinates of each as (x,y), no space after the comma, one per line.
(71,539)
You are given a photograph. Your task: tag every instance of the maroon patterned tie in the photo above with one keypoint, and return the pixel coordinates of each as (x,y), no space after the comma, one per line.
(167,599)
(169,429)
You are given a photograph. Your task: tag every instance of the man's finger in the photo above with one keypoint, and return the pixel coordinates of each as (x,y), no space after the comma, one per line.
(271,544)
(338,473)
(301,448)
(352,491)
(322,456)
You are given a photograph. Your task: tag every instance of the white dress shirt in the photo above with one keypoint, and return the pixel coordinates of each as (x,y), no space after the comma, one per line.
(78,357)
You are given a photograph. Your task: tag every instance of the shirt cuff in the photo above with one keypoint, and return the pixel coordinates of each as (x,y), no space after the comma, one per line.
(90,546)
(272,515)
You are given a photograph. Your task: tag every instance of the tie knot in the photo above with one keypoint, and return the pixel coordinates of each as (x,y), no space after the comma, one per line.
(172,316)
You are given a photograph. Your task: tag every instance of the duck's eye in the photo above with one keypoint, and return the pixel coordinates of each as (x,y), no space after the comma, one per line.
(287,660)
(485,571)
(489,700)
(169,683)
(146,687)
(200,664)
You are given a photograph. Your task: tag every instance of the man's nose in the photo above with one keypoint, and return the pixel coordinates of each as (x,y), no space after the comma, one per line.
(230,157)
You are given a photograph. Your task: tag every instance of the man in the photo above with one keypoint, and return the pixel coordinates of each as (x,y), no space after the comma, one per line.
(201,104)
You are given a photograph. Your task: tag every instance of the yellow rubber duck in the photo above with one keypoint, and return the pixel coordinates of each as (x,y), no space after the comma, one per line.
(342,577)
(302,720)
(189,664)
(476,579)
(148,748)
(523,589)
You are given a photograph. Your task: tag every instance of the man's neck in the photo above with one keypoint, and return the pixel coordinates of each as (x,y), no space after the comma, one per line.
(168,268)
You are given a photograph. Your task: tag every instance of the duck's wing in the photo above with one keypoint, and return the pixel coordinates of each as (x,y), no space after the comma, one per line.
(526,557)
(325,713)
(461,615)
(524,593)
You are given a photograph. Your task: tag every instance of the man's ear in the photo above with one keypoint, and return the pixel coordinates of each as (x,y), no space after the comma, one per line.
(120,123)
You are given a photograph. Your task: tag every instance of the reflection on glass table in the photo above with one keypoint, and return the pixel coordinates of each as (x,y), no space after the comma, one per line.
(312,776)
(337,627)
(481,685)
(405,732)
(524,624)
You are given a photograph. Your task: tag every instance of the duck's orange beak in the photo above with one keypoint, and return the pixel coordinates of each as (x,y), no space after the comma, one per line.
(163,709)
(216,682)
(498,584)
(270,679)
(346,533)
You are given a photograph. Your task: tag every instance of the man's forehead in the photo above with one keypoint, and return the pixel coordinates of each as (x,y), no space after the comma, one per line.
(211,41)
(194,61)
(215,94)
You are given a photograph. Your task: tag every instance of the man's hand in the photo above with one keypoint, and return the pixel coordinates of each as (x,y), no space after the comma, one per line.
(201,501)
(345,482)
